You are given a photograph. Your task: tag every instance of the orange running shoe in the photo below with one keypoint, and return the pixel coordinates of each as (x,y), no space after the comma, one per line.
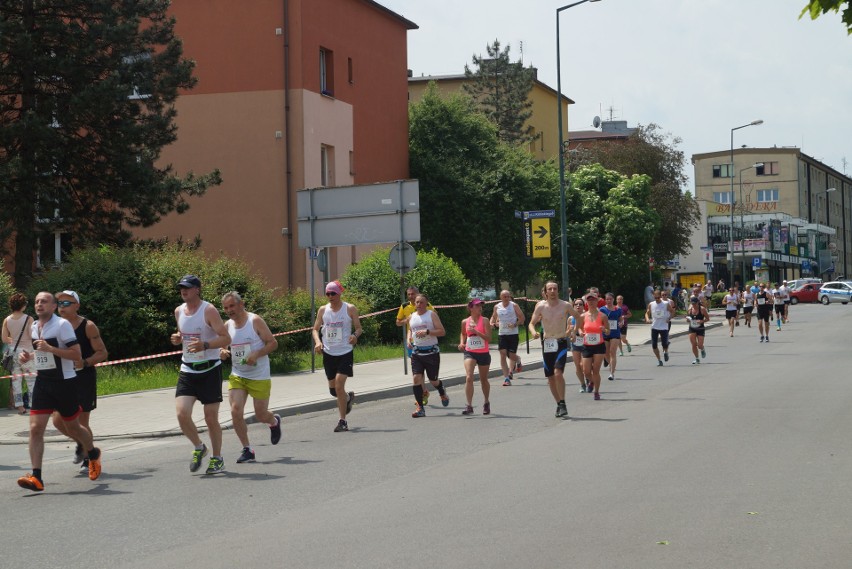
(95,466)
(30,482)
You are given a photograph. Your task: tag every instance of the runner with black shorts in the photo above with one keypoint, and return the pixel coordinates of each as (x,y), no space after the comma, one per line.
(424,329)
(577,351)
(748,305)
(473,341)
(696,317)
(508,317)
(592,325)
(340,326)
(659,315)
(764,311)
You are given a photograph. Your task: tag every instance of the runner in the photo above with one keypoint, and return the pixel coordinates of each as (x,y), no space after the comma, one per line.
(56,350)
(93,351)
(730,301)
(251,343)
(612,334)
(696,317)
(402,315)
(577,351)
(778,302)
(201,332)
(592,325)
(764,311)
(785,295)
(664,295)
(747,298)
(708,292)
(473,341)
(553,314)
(424,330)
(619,302)
(336,321)
(659,315)
(507,317)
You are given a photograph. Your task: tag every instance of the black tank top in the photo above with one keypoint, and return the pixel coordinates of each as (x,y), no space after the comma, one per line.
(85,348)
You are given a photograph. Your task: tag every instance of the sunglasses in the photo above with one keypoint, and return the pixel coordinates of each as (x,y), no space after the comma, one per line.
(65,303)
(331,293)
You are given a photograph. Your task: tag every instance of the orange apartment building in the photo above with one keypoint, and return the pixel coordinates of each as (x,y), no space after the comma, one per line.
(291,94)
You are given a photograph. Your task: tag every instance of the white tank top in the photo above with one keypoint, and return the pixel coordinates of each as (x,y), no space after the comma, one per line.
(660,315)
(243,342)
(16,330)
(196,326)
(424,322)
(507,319)
(336,329)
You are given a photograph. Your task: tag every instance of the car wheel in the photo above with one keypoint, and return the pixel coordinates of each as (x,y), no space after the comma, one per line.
(824,300)
(844,303)
(794,300)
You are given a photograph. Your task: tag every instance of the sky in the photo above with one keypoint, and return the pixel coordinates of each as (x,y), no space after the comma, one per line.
(696,68)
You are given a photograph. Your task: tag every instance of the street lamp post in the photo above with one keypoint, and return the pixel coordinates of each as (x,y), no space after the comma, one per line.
(563,243)
(731,174)
(742,222)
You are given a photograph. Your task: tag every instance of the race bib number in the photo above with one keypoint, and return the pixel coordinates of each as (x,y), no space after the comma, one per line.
(44,361)
(593,339)
(659,314)
(613,324)
(761,301)
(551,345)
(507,327)
(188,356)
(578,341)
(240,352)
(332,336)
(474,343)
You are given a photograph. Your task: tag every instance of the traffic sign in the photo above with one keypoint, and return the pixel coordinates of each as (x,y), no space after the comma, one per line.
(755,263)
(539,213)
(537,237)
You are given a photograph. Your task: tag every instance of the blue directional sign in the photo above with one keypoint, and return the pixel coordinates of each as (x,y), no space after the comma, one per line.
(540,213)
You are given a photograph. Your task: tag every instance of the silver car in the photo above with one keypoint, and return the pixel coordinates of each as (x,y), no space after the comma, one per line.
(836,291)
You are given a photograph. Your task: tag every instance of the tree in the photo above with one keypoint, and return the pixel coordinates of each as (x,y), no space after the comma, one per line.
(87,92)
(501,89)
(816,8)
(471,184)
(649,151)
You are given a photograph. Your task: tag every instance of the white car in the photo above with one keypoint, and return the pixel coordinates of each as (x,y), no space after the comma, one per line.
(836,291)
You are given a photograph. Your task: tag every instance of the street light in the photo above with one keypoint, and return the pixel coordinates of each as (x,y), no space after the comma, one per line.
(742,222)
(731,173)
(826,192)
(564,231)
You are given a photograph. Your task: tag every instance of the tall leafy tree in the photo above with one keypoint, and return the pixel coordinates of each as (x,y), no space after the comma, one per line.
(816,8)
(654,153)
(501,89)
(87,92)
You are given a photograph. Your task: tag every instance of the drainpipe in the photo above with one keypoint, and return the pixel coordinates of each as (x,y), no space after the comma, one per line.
(288,180)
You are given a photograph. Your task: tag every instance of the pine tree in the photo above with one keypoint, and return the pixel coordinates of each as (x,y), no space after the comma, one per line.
(501,90)
(87,92)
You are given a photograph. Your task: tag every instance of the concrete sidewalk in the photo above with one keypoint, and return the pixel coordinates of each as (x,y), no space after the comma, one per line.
(150,414)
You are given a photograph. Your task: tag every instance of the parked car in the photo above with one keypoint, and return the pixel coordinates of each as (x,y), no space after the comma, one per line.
(807,292)
(483,293)
(798,283)
(836,291)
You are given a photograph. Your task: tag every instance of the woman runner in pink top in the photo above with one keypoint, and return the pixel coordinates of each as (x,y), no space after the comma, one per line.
(473,341)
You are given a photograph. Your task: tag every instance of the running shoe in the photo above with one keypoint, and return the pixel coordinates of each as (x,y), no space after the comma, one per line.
(561,409)
(611,377)
(246,456)
(418,412)
(445,400)
(425,397)
(468,410)
(696,361)
(606,362)
(519,367)
(659,363)
(767,339)
(84,467)
(274,432)
(350,401)
(703,353)
(621,353)
(507,382)
(666,356)
(778,329)
(597,396)
(486,408)
(30,482)
(341,426)
(761,339)
(582,389)
(216,465)
(95,465)
(197,455)
(629,349)
(78,454)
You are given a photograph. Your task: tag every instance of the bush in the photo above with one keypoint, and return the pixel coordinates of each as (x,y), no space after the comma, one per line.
(7,289)
(435,274)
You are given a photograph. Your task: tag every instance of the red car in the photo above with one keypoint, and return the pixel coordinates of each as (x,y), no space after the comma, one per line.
(806,293)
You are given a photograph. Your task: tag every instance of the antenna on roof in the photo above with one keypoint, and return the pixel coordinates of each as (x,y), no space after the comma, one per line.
(522,50)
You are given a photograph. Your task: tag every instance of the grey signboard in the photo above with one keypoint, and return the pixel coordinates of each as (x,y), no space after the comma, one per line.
(359,215)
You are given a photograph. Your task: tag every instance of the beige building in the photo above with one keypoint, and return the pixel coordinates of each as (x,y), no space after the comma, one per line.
(543,121)
(790,210)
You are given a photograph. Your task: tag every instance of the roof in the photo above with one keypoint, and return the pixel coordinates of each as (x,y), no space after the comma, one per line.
(408,23)
(462,77)
(575,135)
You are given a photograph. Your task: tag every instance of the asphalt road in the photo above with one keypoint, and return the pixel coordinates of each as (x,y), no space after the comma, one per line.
(740,462)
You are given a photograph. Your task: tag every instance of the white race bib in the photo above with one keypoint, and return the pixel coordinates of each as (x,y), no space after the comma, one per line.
(332,336)
(761,301)
(613,324)
(551,345)
(240,352)
(592,339)
(507,327)
(474,343)
(44,360)
(188,356)
(578,341)
(659,314)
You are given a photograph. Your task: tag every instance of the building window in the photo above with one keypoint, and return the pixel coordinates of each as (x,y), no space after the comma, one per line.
(722,171)
(722,197)
(326,72)
(351,163)
(768,169)
(327,165)
(765,196)
(140,71)
(351,73)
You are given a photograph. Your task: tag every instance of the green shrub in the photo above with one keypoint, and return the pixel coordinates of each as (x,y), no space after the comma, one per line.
(7,289)
(435,274)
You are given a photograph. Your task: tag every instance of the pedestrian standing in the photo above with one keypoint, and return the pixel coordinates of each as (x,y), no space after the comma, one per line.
(17,338)
(474,338)
(336,331)
(202,333)
(251,343)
